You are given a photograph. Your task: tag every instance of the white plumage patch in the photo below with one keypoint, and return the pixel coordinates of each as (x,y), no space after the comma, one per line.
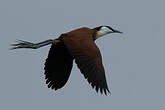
(103,31)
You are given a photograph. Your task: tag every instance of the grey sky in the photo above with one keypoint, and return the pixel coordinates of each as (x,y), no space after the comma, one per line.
(134,61)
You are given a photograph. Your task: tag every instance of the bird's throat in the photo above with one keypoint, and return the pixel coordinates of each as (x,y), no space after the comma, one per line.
(99,34)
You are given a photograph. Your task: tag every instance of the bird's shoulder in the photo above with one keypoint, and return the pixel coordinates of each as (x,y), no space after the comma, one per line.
(80,30)
(78,33)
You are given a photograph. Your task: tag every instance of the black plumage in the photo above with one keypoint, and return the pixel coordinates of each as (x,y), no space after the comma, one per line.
(58,66)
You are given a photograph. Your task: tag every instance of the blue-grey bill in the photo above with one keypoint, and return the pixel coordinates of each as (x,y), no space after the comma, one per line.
(116,31)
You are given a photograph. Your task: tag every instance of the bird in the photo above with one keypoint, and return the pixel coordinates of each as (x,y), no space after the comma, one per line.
(77,45)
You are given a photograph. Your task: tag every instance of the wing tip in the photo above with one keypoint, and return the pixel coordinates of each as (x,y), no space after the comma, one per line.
(102,91)
(106,91)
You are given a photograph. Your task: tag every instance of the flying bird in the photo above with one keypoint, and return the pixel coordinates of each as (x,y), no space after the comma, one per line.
(78,45)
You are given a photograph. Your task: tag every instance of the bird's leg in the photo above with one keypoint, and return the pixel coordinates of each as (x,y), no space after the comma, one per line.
(24,44)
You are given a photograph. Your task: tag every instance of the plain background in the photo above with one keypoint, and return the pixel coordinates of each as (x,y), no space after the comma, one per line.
(134,61)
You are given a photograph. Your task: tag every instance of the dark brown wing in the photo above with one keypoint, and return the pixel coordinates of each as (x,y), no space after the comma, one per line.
(58,66)
(88,58)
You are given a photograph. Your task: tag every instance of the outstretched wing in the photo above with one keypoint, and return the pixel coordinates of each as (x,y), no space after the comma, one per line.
(58,66)
(88,58)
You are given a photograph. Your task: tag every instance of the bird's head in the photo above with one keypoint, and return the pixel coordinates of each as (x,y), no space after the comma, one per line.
(103,30)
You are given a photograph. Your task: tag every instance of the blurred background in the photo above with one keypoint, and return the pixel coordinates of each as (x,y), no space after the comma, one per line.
(134,61)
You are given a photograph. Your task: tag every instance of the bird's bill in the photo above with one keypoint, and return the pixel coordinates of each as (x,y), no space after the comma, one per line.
(116,31)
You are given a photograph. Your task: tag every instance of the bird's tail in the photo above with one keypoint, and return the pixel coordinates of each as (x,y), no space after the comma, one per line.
(24,44)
